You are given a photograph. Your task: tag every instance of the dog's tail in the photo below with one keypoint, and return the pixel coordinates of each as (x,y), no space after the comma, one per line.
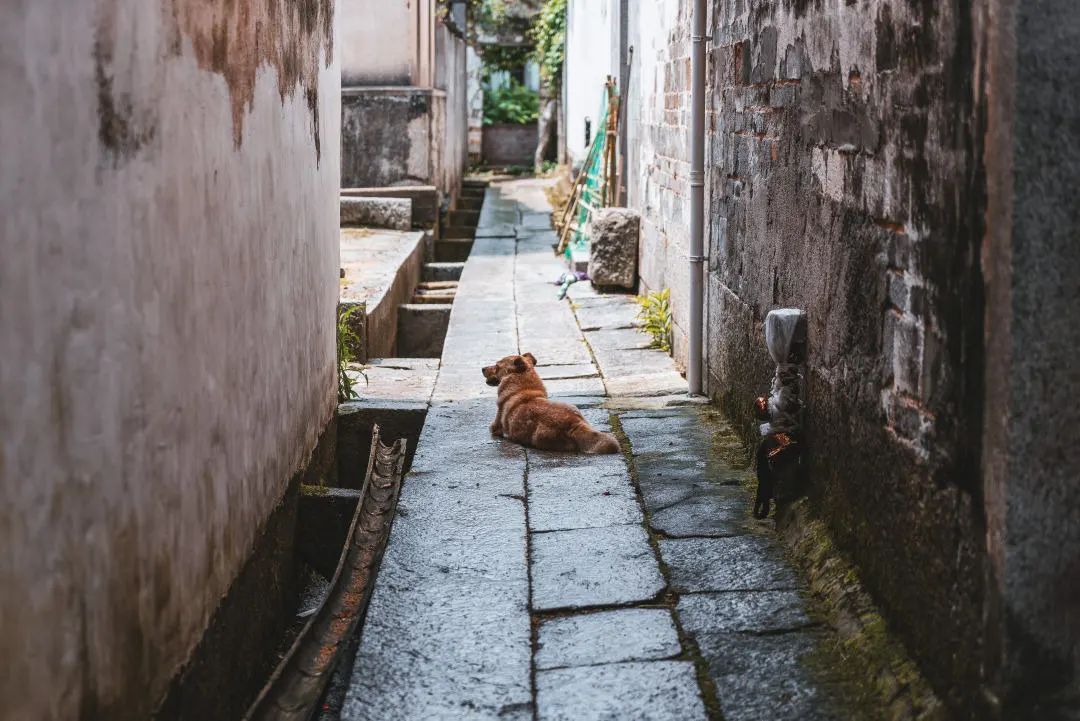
(590,440)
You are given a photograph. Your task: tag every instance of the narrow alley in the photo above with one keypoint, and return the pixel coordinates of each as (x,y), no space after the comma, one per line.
(280,282)
(579,586)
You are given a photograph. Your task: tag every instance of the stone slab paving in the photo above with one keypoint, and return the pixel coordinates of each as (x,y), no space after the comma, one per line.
(522,584)
(651,691)
(585,567)
(628,634)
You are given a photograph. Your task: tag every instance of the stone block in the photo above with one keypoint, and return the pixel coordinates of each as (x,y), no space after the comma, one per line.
(355,424)
(393,213)
(443,271)
(628,634)
(593,567)
(613,247)
(739,563)
(426,200)
(422,329)
(322,526)
(656,690)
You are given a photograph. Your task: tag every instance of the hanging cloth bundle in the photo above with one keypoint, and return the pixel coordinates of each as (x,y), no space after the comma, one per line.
(785,337)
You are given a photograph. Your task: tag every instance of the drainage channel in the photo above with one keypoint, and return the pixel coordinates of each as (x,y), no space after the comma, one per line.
(339,540)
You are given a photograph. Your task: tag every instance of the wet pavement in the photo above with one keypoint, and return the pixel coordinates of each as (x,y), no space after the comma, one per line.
(521,584)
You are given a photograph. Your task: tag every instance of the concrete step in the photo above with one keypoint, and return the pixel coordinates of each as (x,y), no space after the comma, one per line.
(391,213)
(425,200)
(422,329)
(381,271)
(442,271)
(439,298)
(395,395)
(467,218)
(453,251)
(429,285)
(458,232)
(470,202)
(355,421)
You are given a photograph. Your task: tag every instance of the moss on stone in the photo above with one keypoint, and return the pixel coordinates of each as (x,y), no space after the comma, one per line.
(862,654)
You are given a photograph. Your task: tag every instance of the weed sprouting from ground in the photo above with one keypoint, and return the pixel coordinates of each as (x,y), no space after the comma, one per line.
(655,317)
(348,345)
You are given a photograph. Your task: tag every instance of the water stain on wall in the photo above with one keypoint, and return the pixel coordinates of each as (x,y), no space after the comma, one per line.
(124,127)
(236,37)
(233,38)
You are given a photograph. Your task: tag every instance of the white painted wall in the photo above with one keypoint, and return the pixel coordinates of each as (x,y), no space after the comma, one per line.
(167,298)
(589,30)
(475,102)
(452,75)
(388,42)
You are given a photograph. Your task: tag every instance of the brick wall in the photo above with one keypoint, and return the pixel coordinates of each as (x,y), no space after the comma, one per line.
(658,168)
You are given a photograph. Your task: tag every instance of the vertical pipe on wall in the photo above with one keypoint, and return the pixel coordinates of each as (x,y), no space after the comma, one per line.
(697,195)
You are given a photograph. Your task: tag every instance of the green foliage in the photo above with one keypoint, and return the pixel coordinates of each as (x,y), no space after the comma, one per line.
(548,34)
(512,103)
(500,19)
(503,57)
(348,341)
(655,317)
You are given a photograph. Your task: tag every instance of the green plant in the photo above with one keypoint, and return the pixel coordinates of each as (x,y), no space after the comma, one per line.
(548,34)
(511,103)
(655,317)
(348,344)
(505,58)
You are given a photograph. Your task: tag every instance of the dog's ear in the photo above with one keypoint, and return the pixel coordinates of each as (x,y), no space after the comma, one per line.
(520,364)
(529,357)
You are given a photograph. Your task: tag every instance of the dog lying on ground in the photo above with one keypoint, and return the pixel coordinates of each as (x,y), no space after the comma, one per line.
(528,417)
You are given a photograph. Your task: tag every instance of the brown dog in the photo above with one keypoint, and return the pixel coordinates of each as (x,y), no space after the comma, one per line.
(527,416)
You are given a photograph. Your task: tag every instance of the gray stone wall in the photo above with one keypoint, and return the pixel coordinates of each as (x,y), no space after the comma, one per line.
(392,136)
(846,176)
(1030,260)
(167,295)
(509,144)
(847,180)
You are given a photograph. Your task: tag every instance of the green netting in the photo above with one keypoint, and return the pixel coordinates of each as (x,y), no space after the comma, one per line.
(593,189)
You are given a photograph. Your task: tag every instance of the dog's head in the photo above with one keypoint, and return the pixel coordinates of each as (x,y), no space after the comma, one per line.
(507,366)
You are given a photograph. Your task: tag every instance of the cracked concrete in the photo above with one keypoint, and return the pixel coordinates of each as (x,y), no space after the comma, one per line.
(525,584)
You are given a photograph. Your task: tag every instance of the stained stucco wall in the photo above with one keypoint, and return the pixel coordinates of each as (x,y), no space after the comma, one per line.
(168,198)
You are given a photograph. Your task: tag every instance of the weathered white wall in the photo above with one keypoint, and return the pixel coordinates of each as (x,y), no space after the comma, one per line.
(589,25)
(388,42)
(475,102)
(168,197)
(378,42)
(452,75)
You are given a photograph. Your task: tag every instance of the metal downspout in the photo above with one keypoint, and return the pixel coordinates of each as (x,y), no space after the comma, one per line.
(697,196)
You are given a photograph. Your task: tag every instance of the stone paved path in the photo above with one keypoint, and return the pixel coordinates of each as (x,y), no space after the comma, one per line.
(521,584)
